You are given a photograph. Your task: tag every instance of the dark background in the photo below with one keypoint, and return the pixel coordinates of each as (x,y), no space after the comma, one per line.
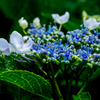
(12,10)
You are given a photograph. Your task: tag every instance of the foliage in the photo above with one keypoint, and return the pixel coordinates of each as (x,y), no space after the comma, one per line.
(28,81)
(82,96)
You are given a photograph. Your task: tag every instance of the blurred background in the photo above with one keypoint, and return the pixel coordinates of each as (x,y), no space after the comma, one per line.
(12,10)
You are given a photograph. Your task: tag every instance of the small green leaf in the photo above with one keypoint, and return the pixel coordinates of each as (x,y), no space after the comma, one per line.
(95,74)
(82,96)
(28,81)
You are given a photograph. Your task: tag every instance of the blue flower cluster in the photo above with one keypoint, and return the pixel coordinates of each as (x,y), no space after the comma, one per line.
(42,35)
(81,46)
(83,37)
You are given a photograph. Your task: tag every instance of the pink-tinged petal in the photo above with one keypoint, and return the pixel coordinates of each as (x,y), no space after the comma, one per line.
(7,52)
(3,44)
(16,39)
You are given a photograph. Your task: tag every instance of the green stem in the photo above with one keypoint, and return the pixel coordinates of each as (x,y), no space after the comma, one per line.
(60,27)
(83,87)
(24,32)
(86,83)
(76,82)
(71,79)
(43,72)
(66,79)
(59,95)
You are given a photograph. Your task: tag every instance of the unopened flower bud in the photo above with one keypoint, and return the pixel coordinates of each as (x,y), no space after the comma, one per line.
(44,60)
(23,23)
(36,22)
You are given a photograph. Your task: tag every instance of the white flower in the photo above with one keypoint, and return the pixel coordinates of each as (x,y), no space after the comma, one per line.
(18,44)
(90,23)
(23,23)
(36,22)
(11,48)
(4,47)
(61,19)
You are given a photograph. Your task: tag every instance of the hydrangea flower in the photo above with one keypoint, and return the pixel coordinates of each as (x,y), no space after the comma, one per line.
(4,47)
(23,23)
(90,23)
(36,22)
(44,35)
(18,44)
(61,19)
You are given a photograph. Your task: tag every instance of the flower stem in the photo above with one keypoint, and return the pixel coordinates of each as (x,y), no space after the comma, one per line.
(71,79)
(43,72)
(24,31)
(86,83)
(59,95)
(83,87)
(60,27)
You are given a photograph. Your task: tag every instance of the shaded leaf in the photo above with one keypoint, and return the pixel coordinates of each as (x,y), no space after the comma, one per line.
(28,81)
(95,74)
(82,96)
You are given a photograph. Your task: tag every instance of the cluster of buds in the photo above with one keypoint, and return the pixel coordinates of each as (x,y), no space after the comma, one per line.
(80,45)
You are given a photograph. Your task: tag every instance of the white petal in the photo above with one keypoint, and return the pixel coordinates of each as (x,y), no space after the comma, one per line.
(16,39)
(11,48)
(24,50)
(27,46)
(64,18)
(90,23)
(94,24)
(7,52)
(61,19)
(3,44)
(36,22)
(56,17)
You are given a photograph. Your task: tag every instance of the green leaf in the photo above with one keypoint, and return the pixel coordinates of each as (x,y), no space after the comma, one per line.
(82,96)
(28,81)
(71,26)
(7,63)
(95,74)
